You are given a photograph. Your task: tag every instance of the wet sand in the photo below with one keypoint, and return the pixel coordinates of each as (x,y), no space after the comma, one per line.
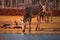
(45,29)
(19,31)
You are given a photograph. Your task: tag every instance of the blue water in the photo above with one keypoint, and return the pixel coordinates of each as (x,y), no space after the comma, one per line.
(28,37)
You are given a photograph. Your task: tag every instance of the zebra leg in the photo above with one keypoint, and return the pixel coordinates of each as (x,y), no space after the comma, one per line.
(24,27)
(29,24)
(51,17)
(47,18)
(40,18)
(38,24)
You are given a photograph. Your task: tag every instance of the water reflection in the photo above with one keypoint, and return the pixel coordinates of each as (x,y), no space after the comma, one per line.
(28,37)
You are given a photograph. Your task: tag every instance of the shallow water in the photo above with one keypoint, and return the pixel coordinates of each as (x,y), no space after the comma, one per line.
(28,37)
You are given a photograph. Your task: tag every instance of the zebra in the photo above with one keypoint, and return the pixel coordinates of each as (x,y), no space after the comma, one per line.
(48,6)
(32,11)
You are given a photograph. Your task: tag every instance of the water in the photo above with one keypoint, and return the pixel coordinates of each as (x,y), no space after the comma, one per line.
(28,37)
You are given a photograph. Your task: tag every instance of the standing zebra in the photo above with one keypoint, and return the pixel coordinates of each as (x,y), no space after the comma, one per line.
(31,11)
(48,6)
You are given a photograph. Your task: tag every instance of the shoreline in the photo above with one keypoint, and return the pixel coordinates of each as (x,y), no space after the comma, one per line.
(54,24)
(19,31)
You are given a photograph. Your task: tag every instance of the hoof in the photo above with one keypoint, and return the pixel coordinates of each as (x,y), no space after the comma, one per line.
(23,30)
(29,30)
(37,29)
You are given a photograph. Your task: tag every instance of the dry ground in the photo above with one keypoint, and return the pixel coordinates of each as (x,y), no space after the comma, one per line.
(47,28)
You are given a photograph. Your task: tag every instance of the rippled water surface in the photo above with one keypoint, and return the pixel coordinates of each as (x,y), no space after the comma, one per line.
(28,37)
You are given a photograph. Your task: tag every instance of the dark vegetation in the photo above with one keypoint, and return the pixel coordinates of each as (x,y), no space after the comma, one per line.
(20,12)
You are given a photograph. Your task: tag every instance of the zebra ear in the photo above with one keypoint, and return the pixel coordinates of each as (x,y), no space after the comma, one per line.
(42,2)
